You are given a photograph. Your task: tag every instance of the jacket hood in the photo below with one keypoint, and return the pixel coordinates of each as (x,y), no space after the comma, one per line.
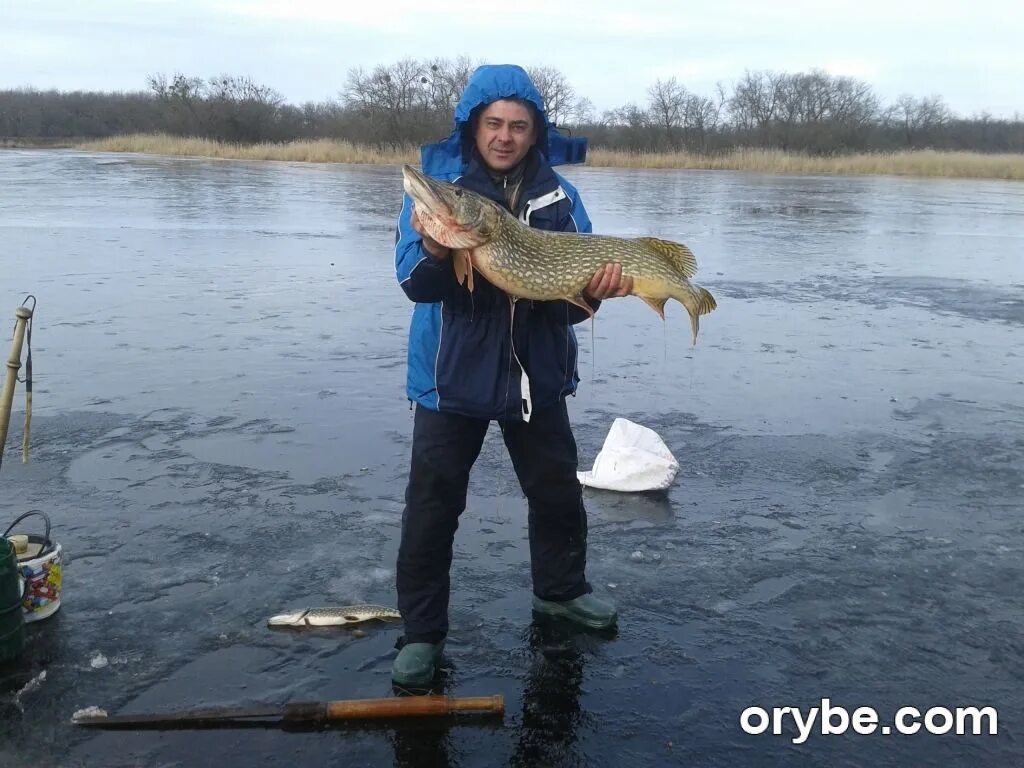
(488,83)
(501,81)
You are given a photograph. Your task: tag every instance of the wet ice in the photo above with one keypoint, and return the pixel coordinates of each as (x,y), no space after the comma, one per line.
(220,431)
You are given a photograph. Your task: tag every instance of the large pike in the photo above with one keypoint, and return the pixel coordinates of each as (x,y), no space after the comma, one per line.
(529,263)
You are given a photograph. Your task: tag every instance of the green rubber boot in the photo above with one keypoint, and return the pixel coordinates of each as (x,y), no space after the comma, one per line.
(416,664)
(588,610)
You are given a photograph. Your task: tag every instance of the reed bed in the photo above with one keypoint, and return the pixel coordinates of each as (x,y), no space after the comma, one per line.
(924,162)
(313,151)
(909,163)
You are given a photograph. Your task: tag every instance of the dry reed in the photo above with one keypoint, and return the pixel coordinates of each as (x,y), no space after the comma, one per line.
(313,151)
(908,163)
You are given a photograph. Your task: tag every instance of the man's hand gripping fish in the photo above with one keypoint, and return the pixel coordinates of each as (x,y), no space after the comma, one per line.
(528,263)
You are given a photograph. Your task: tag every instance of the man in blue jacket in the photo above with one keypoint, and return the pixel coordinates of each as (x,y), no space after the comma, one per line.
(480,357)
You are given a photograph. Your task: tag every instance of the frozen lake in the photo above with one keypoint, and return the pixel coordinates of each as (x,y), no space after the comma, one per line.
(221,433)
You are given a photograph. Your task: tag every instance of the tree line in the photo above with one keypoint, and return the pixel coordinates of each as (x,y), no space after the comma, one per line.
(412,101)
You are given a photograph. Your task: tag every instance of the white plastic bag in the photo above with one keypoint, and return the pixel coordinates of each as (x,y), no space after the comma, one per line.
(633,458)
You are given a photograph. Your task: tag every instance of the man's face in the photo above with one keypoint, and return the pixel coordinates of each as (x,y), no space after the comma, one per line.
(504,134)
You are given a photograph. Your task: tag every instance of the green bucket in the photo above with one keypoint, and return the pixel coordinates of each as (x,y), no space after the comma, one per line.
(12,621)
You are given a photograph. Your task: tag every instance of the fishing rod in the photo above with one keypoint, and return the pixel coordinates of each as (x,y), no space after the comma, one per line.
(23,320)
(304,713)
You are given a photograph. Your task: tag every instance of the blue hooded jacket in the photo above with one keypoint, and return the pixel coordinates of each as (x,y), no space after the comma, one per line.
(480,354)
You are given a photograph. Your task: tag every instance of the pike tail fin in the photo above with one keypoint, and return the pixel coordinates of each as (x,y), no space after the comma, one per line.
(698,301)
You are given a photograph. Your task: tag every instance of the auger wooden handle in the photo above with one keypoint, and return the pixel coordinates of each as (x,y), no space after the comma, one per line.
(22,315)
(401,706)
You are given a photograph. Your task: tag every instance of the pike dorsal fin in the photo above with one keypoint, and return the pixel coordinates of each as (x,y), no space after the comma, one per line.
(677,253)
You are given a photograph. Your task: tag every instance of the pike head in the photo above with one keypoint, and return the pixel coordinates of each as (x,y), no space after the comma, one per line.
(455,217)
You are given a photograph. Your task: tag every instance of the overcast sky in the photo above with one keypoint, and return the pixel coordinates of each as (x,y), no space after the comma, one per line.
(971,52)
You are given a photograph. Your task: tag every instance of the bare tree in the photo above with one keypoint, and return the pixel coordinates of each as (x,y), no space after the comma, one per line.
(919,116)
(667,100)
(445,80)
(582,111)
(390,99)
(701,117)
(558,94)
(412,101)
(242,110)
(629,115)
(755,101)
(182,98)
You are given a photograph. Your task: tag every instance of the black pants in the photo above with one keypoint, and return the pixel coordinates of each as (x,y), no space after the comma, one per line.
(444,448)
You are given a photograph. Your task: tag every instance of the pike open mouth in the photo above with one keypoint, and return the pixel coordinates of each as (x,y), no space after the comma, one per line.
(422,191)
